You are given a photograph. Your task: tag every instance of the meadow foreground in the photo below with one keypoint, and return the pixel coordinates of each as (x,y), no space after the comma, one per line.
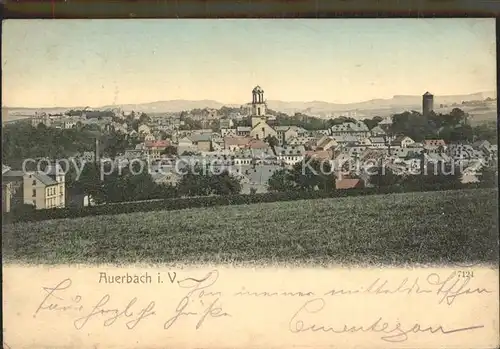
(425,228)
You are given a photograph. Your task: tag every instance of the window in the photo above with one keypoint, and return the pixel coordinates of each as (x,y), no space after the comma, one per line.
(34,192)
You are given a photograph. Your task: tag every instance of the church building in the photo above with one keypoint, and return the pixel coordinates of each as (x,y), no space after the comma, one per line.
(260,127)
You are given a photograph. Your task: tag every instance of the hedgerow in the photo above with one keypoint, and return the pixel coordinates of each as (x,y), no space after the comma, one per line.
(210,201)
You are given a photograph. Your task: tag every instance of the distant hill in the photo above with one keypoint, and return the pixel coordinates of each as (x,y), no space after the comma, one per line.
(171,106)
(12,114)
(369,108)
(387,106)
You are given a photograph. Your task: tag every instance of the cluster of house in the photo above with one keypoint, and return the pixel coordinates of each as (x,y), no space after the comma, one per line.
(254,153)
(68,122)
(341,143)
(154,129)
(62,121)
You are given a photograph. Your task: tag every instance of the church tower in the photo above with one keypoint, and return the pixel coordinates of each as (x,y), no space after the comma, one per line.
(258,106)
(258,103)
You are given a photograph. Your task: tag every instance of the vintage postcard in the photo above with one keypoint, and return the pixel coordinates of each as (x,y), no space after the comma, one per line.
(250,183)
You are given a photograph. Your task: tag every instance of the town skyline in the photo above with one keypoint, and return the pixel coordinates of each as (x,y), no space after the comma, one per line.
(333,61)
(491,92)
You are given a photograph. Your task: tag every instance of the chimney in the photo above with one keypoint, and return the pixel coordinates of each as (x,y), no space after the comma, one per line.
(97,157)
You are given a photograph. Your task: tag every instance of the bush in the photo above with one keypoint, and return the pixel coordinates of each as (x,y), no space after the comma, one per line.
(209,201)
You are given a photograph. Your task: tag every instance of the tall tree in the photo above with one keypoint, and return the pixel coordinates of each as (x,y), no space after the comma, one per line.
(313,174)
(384,177)
(281,181)
(170,150)
(144,119)
(371,123)
(272,141)
(199,181)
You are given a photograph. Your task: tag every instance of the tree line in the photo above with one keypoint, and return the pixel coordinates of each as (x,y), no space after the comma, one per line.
(135,184)
(452,127)
(131,184)
(22,141)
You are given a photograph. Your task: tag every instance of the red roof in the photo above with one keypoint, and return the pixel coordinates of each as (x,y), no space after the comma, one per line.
(157,144)
(257,144)
(242,141)
(320,154)
(348,183)
(325,142)
(310,143)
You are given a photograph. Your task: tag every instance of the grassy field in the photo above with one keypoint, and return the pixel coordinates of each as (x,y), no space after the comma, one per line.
(424,228)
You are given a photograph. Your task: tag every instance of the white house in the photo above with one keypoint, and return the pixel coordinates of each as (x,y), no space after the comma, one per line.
(42,189)
(290,155)
(402,141)
(69,123)
(359,130)
(149,137)
(377,142)
(243,131)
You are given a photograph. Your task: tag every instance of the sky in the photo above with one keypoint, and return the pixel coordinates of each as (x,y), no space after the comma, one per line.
(49,63)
